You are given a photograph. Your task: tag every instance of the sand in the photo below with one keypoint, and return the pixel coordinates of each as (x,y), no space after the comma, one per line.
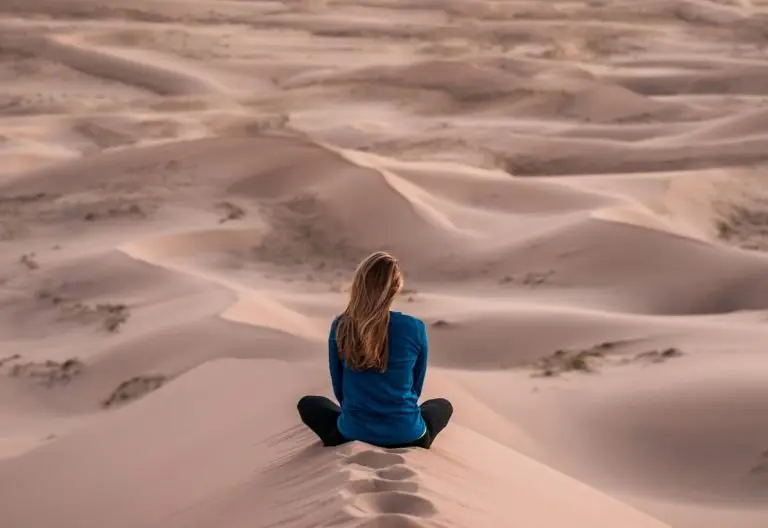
(576,191)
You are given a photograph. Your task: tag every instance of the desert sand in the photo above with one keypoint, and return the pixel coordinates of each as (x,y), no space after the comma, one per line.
(576,191)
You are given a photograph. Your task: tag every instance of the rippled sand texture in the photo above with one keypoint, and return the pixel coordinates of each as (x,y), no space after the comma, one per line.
(577,192)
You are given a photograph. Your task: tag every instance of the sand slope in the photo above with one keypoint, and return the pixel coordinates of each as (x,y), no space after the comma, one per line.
(237,469)
(576,192)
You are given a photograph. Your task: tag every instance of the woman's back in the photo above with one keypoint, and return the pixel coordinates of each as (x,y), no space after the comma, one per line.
(382,407)
(377,359)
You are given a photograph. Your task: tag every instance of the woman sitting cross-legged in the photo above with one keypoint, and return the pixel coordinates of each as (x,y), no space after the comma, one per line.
(378,360)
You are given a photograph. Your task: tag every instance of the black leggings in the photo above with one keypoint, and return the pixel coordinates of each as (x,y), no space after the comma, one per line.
(320,414)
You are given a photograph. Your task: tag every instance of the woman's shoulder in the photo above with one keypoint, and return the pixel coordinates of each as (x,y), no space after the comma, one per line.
(400,318)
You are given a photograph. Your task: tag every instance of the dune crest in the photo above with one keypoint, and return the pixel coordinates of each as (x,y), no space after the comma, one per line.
(276,473)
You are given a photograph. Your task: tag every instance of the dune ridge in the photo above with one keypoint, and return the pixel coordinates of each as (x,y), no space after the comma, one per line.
(575,191)
(285,480)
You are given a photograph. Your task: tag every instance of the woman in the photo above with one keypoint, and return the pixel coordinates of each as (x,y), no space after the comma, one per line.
(378,359)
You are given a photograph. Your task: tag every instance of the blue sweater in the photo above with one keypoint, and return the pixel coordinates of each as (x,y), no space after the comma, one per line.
(381,408)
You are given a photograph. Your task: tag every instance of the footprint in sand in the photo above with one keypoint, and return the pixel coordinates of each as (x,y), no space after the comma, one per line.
(375,459)
(396,472)
(389,496)
(394,478)
(376,485)
(384,502)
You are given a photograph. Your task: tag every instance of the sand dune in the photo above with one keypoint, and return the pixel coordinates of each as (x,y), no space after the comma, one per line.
(270,472)
(576,192)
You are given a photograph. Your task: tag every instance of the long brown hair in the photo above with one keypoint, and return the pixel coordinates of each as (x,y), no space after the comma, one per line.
(361,333)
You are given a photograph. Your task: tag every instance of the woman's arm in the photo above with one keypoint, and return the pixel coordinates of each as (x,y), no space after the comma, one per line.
(420,369)
(334,363)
